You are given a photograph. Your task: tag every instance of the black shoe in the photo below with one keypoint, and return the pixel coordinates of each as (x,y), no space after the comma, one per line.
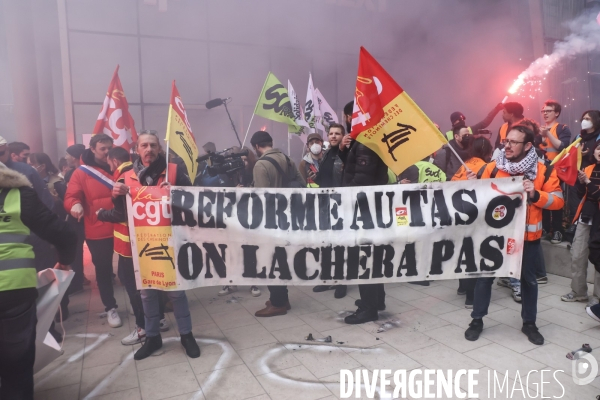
(358,303)
(188,341)
(420,283)
(468,303)
(340,291)
(151,344)
(361,316)
(475,328)
(532,333)
(323,288)
(461,291)
(556,238)
(55,334)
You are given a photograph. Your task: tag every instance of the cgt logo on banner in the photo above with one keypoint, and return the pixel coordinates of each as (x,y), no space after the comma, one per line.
(376,234)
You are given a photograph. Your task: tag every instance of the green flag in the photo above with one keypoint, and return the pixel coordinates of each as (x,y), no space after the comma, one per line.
(274,104)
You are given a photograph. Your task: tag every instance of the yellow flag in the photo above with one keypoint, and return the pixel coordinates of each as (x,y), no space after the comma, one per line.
(180,138)
(274,104)
(564,151)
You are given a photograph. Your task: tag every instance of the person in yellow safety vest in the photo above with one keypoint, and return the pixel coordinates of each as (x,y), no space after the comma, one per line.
(458,120)
(309,166)
(512,114)
(21,213)
(421,172)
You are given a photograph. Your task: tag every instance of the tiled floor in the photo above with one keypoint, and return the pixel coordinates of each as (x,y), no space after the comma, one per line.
(244,357)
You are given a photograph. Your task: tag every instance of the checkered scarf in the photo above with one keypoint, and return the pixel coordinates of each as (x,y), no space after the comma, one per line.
(527,166)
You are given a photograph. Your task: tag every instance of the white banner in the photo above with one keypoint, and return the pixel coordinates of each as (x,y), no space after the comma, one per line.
(351,235)
(328,114)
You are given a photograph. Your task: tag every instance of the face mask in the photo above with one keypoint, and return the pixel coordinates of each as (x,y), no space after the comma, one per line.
(315,149)
(585,124)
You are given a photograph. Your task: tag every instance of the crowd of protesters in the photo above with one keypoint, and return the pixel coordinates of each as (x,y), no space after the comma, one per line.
(60,210)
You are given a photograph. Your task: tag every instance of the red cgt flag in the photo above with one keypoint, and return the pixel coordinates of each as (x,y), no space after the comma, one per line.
(566,168)
(114,118)
(388,121)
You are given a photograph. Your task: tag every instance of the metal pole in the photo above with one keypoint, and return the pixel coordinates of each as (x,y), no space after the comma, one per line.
(248,130)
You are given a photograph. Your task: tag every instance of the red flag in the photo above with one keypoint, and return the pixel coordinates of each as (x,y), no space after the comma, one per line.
(114,118)
(388,121)
(566,168)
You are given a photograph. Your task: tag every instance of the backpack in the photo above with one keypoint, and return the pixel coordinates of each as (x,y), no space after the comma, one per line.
(288,180)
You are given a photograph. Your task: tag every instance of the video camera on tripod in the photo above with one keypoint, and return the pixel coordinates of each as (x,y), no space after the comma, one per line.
(223,162)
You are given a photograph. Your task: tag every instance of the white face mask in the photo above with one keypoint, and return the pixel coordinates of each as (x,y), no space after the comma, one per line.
(585,124)
(315,149)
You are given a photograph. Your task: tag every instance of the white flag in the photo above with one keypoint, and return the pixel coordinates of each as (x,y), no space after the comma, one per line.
(328,115)
(310,106)
(297,109)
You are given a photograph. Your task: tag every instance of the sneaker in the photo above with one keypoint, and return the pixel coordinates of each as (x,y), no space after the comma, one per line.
(137,336)
(254,291)
(594,312)
(572,296)
(227,290)
(556,238)
(469,304)
(164,325)
(151,344)
(517,293)
(461,291)
(361,316)
(340,291)
(593,301)
(475,329)
(542,280)
(504,282)
(532,333)
(323,288)
(114,321)
(188,341)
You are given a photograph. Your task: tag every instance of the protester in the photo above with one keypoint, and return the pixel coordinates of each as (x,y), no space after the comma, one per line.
(150,170)
(87,192)
(50,175)
(18,278)
(309,166)
(458,120)
(512,114)
(63,167)
(329,174)
(19,152)
(273,170)
(542,186)
(446,159)
(586,243)
(363,167)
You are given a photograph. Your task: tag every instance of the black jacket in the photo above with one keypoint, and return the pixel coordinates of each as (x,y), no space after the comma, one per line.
(588,141)
(363,167)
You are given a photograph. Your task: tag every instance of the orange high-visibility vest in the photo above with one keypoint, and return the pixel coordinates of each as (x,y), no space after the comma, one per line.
(551,152)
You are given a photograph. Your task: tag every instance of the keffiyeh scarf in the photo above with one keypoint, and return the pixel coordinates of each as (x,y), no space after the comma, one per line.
(527,166)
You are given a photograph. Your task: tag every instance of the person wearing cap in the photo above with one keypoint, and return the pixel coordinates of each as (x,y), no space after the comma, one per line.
(512,114)
(458,120)
(309,166)
(267,174)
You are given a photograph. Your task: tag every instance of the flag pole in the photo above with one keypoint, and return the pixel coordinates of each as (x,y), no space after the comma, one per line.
(289,138)
(167,169)
(248,130)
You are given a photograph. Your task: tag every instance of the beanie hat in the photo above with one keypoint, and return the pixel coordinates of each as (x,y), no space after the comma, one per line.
(260,137)
(457,117)
(76,150)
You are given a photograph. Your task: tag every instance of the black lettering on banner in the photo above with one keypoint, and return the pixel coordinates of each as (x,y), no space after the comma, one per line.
(181,204)
(501,211)
(337,202)
(466,257)
(187,251)
(224,209)
(382,261)
(280,264)
(338,262)
(491,253)
(300,263)
(362,205)
(442,251)
(257,211)
(379,209)
(250,263)
(408,261)
(281,102)
(206,209)
(300,212)
(355,259)
(465,207)
(439,209)
(414,197)
(324,212)
(275,205)
(218,261)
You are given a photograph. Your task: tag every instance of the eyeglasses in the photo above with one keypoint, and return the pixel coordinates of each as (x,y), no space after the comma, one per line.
(547,111)
(511,143)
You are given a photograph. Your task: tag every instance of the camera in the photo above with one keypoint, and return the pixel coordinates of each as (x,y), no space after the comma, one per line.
(223,162)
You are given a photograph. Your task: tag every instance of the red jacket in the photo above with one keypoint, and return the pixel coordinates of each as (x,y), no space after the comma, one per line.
(92,195)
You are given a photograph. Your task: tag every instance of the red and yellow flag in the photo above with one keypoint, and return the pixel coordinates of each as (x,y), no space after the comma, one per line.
(180,138)
(114,118)
(388,121)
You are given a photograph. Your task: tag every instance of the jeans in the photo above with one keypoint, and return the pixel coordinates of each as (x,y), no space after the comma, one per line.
(17,351)
(150,301)
(468,285)
(372,296)
(102,254)
(279,295)
(532,259)
(127,278)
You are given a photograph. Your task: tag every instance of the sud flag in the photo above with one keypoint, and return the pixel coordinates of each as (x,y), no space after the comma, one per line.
(567,167)
(180,138)
(328,115)
(310,106)
(114,118)
(296,108)
(274,104)
(388,121)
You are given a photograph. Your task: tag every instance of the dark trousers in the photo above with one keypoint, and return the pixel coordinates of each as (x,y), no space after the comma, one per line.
(17,351)
(552,220)
(127,278)
(279,295)
(594,242)
(102,254)
(468,285)
(372,296)
(77,264)
(532,262)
